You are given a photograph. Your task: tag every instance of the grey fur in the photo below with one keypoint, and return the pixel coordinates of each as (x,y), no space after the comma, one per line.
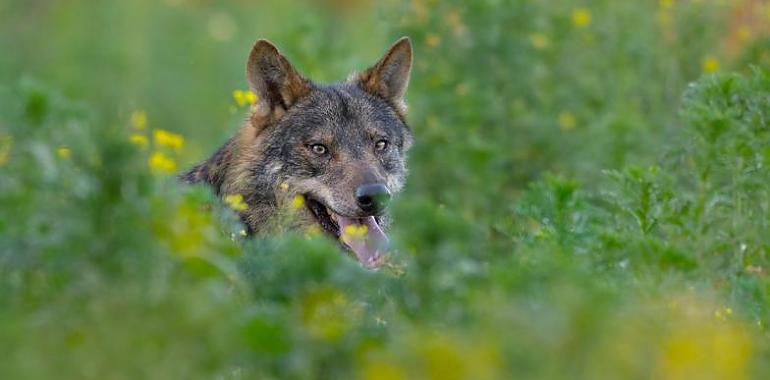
(270,160)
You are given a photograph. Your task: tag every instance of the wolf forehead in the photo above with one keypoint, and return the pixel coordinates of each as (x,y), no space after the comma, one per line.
(343,112)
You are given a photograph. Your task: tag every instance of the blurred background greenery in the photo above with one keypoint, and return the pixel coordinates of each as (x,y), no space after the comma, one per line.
(588,194)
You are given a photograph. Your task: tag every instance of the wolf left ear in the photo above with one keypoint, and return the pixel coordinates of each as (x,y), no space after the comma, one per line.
(275,81)
(389,77)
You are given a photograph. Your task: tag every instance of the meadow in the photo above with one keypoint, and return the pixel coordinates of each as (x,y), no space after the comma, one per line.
(588,194)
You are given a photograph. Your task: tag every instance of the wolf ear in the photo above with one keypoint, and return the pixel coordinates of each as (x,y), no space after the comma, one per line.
(390,76)
(275,81)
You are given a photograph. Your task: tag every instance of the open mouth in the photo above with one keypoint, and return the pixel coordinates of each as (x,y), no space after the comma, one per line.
(363,236)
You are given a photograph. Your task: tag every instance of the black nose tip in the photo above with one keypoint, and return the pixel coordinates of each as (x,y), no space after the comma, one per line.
(372,197)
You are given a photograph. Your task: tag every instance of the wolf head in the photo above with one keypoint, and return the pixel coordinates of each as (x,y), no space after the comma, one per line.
(340,147)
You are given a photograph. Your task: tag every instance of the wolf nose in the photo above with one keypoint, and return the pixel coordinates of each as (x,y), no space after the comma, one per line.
(372,197)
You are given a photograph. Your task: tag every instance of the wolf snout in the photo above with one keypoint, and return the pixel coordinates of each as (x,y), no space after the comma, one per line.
(372,198)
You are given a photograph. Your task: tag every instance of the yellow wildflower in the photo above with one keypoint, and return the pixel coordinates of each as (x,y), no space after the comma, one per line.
(666,3)
(354,232)
(432,39)
(63,152)
(235,201)
(698,347)
(138,139)
(567,121)
(169,139)
(160,163)
(139,119)
(298,201)
(581,17)
(244,97)
(718,352)
(710,65)
(6,141)
(539,41)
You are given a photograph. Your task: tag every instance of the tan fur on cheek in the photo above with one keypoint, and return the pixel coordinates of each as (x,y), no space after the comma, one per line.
(247,150)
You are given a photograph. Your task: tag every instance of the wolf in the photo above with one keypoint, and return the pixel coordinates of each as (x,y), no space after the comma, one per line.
(340,149)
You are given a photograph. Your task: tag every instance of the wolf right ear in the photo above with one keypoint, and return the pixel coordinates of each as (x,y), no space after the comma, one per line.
(273,79)
(390,76)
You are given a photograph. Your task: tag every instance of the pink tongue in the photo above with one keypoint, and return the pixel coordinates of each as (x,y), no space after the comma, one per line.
(365,238)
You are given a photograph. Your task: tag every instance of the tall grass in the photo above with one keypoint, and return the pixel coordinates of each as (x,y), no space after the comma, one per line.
(588,195)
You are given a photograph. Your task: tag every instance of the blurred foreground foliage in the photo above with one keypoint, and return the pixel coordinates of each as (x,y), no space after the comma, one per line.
(643,254)
(108,270)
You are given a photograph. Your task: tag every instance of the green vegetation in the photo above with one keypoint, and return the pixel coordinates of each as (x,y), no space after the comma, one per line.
(588,195)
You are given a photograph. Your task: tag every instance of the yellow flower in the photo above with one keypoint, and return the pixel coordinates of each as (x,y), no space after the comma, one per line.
(169,139)
(695,346)
(63,152)
(6,141)
(432,39)
(160,163)
(539,41)
(567,121)
(666,3)
(710,65)
(721,352)
(298,201)
(235,201)
(138,139)
(354,232)
(244,97)
(139,119)
(581,17)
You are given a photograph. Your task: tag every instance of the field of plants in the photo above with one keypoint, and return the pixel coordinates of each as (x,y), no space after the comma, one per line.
(588,197)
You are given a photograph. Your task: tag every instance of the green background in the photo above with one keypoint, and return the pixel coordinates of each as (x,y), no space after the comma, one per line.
(588,194)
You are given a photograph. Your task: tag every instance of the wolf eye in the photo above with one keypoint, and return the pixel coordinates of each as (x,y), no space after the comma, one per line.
(318,149)
(381,145)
